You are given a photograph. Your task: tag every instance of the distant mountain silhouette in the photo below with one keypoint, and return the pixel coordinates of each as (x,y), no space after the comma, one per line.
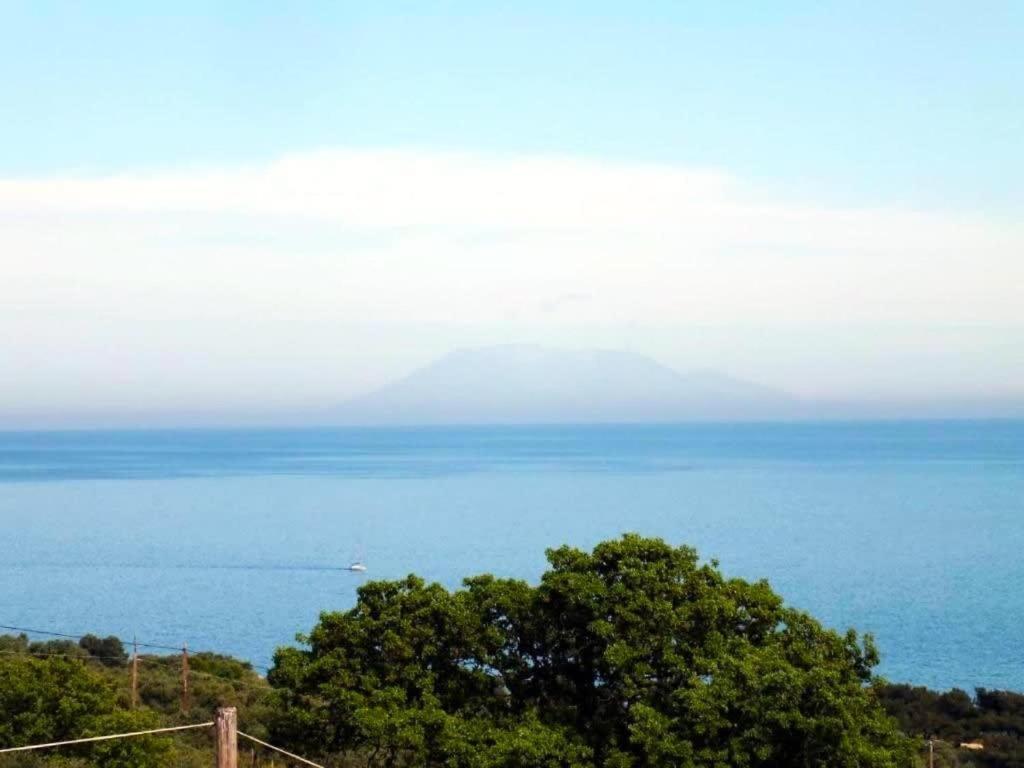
(533,384)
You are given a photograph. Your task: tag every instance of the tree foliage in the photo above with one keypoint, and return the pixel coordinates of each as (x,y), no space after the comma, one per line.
(632,655)
(109,650)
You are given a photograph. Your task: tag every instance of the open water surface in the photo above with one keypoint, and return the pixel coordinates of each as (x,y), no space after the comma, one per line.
(233,539)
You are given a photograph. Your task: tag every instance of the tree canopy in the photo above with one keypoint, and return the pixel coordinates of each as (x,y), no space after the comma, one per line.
(633,655)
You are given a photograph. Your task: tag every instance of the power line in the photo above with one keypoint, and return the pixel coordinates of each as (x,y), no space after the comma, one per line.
(79,637)
(140,644)
(41,632)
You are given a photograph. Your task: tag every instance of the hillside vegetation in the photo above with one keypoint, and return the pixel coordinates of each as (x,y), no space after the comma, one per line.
(59,689)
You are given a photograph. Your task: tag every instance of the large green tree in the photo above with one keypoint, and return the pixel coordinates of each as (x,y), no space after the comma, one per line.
(634,654)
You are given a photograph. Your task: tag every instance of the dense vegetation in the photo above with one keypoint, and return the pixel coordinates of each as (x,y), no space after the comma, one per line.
(634,654)
(993,718)
(56,690)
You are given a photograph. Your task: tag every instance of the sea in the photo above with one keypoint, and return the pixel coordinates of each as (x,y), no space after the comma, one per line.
(236,540)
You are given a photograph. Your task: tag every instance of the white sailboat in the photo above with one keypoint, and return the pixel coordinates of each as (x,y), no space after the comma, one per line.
(358,564)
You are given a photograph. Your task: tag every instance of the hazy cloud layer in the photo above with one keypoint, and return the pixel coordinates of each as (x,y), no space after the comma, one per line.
(323,273)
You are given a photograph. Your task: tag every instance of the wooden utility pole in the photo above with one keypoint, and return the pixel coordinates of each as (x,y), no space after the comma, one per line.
(184,679)
(135,673)
(226,724)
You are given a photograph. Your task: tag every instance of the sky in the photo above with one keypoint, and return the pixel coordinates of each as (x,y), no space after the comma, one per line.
(228,209)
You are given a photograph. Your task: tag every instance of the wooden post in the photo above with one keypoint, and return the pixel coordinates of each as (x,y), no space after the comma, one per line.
(227,737)
(184,679)
(135,673)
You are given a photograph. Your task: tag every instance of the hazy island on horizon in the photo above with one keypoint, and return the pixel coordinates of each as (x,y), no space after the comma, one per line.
(532,384)
(526,383)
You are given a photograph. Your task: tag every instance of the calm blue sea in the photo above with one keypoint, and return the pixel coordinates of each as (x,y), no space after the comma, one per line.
(232,540)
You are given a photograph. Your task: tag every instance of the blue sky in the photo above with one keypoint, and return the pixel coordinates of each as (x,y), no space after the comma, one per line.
(269,206)
(911,102)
